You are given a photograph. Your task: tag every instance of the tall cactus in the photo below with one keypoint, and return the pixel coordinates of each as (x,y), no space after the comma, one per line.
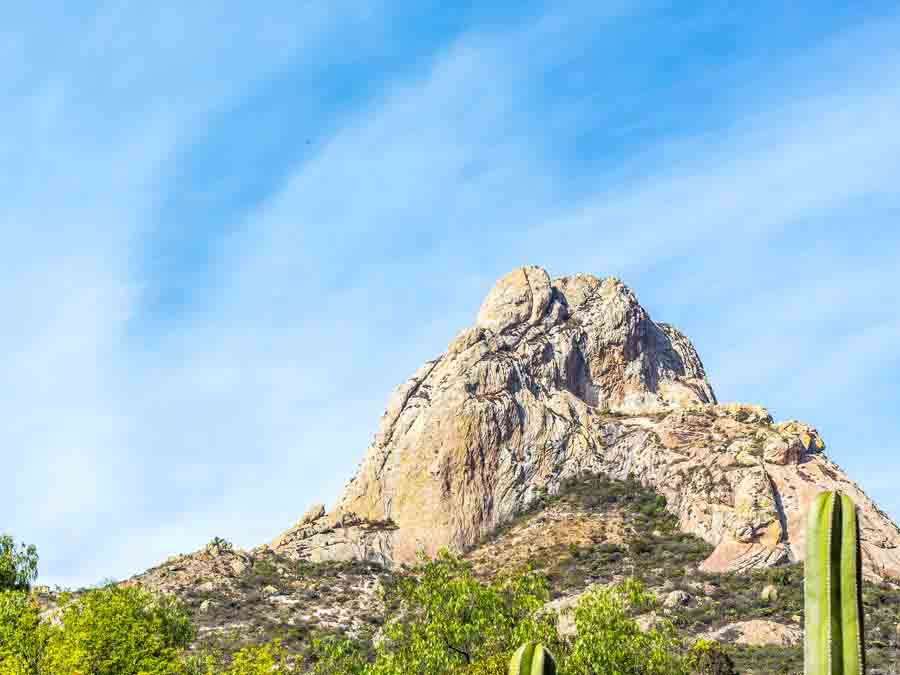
(532,659)
(833,599)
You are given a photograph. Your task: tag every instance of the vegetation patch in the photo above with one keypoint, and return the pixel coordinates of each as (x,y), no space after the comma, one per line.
(612,543)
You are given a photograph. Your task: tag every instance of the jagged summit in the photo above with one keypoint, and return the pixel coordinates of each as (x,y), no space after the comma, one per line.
(570,375)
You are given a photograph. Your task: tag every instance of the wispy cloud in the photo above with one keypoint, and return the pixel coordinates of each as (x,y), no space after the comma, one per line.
(96,106)
(141,431)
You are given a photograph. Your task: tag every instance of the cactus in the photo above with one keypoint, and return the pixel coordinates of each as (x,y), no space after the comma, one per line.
(532,659)
(833,600)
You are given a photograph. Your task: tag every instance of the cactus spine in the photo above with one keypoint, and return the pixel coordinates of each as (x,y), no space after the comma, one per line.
(833,643)
(532,659)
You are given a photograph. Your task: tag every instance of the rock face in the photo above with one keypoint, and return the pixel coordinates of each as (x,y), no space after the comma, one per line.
(758,632)
(571,375)
(217,565)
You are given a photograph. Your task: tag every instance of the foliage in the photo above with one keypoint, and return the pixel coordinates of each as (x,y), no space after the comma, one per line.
(23,637)
(449,622)
(337,656)
(222,545)
(496,664)
(440,618)
(609,641)
(266,659)
(18,565)
(108,631)
(119,631)
(707,657)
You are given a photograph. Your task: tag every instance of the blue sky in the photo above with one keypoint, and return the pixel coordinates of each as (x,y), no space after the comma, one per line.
(230,229)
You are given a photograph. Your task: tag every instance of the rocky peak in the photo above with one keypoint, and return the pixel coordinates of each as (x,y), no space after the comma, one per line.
(562,376)
(606,349)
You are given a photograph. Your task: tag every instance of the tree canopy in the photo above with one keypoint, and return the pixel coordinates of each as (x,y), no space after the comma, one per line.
(18,564)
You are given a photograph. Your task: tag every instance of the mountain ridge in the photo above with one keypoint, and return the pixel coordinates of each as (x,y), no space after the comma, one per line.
(565,375)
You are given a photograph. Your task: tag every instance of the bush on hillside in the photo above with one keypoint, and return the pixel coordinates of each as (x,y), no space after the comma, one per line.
(119,631)
(106,631)
(445,620)
(708,658)
(610,641)
(23,637)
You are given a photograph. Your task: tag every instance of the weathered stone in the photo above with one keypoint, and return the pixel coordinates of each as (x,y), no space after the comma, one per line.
(568,375)
(758,632)
(211,568)
(521,296)
(312,514)
(780,451)
(743,412)
(808,436)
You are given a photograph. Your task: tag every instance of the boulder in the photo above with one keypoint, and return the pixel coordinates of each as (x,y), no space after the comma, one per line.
(676,599)
(758,632)
(312,514)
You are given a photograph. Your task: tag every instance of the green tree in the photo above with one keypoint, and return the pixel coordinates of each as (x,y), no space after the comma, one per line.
(18,565)
(609,641)
(119,631)
(23,637)
(449,622)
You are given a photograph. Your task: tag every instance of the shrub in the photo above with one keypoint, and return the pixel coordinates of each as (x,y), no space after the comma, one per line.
(337,656)
(448,622)
(266,659)
(23,638)
(609,641)
(706,657)
(119,631)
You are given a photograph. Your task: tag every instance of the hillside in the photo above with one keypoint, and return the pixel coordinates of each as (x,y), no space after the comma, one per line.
(593,531)
(568,431)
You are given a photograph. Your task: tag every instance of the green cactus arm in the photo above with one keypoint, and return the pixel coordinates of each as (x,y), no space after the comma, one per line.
(834,642)
(520,664)
(851,596)
(532,659)
(822,641)
(542,662)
